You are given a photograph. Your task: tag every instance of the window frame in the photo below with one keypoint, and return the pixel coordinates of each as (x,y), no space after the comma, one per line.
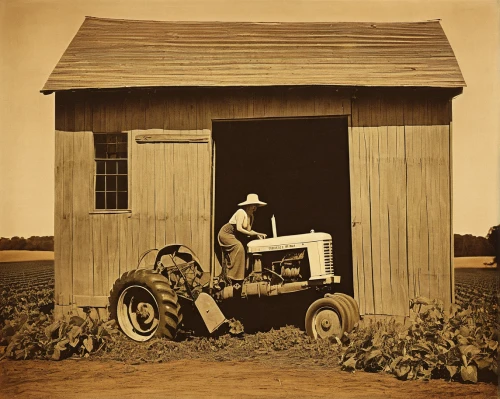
(102,158)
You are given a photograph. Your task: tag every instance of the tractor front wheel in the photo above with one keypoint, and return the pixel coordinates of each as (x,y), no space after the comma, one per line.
(326,318)
(144,305)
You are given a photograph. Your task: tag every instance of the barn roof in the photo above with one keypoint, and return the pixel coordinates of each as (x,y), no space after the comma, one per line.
(110,53)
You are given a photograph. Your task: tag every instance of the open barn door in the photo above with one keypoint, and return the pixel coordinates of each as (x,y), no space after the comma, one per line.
(172,183)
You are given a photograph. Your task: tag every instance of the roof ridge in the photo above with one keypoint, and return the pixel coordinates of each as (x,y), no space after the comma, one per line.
(88,17)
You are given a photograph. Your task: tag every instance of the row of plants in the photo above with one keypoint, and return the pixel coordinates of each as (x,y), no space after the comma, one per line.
(459,344)
(39,337)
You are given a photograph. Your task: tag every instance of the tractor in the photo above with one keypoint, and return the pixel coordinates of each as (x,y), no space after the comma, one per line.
(158,301)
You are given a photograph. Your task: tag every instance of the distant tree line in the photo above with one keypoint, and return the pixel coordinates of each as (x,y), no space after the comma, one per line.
(33,243)
(465,245)
(469,245)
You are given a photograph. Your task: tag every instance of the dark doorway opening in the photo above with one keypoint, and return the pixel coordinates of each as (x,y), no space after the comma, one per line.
(300,167)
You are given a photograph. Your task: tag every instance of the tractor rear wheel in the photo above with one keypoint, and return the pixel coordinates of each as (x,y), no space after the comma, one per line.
(354,306)
(144,305)
(326,318)
(349,311)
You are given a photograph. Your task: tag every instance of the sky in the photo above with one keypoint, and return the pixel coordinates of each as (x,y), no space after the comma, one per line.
(35,33)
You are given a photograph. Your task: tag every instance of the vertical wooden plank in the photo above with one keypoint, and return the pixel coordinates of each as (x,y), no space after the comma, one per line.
(133,220)
(123,239)
(393,221)
(111,232)
(304,98)
(59,266)
(81,207)
(148,229)
(136,108)
(359,276)
(374,195)
(386,266)
(446,270)
(203,114)
(105,257)
(194,197)
(258,103)
(402,231)
(365,146)
(239,103)
(182,213)
(114,110)
(160,197)
(434,237)
(356,229)
(81,227)
(98,114)
(67,220)
(169,193)
(422,221)
(155,111)
(98,253)
(275,103)
(411,199)
(140,203)
(89,191)
(204,178)
(449,225)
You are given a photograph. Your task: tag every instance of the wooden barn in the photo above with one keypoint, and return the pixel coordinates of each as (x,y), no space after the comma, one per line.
(162,128)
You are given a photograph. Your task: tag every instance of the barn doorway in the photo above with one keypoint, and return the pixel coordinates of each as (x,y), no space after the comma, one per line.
(299,166)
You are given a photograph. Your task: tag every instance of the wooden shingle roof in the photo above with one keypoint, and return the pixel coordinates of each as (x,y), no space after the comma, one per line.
(108,53)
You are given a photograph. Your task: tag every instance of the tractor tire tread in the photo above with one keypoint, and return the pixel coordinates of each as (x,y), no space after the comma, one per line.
(316,305)
(169,308)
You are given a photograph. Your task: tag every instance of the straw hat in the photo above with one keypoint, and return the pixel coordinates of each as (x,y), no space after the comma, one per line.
(252,199)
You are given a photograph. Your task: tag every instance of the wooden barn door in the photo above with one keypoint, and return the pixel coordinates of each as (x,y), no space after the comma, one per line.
(172,181)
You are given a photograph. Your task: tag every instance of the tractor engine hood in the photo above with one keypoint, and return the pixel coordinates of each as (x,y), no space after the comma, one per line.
(286,242)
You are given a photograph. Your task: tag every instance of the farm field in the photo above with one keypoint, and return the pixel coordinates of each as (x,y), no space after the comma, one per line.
(276,364)
(468,262)
(25,256)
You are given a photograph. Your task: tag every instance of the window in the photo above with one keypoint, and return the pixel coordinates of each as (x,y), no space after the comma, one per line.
(111,170)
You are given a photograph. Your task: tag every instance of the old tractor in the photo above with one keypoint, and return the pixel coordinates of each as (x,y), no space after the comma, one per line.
(298,268)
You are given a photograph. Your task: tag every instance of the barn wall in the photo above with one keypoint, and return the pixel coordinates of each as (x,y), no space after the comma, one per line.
(92,249)
(400,186)
(400,201)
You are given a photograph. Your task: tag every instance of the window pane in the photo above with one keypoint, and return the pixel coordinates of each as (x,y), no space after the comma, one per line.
(99,167)
(99,183)
(110,200)
(100,150)
(122,150)
(110,138)
(110,183)
(111,151)
(123,200)
(122,183)
(122,167)
(99,201)
(99,138)
(111,167)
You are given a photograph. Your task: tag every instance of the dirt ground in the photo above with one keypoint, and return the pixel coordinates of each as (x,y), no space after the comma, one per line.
(198,379)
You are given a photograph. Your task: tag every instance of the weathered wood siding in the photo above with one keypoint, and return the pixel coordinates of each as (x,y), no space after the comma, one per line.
(169,183)
(400,185)
(400,201)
